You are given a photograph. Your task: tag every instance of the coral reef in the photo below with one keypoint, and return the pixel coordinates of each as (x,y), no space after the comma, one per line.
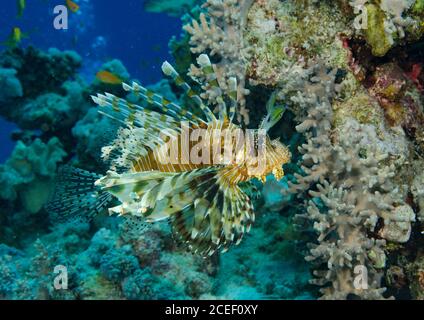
(284,35)
(42,91)
(117,263)
(360,122)
(11,86)
(415,271)
(111,258)
(282,273)
(220,33)
(388,23)
(352,202)
(349,192)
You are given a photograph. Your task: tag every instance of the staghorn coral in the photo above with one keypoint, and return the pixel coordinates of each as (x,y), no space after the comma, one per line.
(220,33)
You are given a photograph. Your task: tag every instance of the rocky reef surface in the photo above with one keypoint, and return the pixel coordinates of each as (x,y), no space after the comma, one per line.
(351,203)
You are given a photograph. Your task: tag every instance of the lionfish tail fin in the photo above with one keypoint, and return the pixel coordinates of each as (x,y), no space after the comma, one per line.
(76,197)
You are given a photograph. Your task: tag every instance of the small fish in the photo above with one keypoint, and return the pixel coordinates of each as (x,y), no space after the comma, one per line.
(15,38)
(208,204)
(21,7)
(108,77)
(275,113)
(72,6)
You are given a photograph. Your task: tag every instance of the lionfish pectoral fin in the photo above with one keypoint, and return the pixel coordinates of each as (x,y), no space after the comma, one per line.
(250,189)
(76,195)
(167,206)
(200,208)
(174,193)
(216,218)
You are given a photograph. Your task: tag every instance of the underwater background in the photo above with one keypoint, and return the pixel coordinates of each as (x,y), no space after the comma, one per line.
(130,34)
(350,76)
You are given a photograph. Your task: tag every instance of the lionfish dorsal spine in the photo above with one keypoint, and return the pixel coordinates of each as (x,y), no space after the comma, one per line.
(168,107)
(213,83)
(169,71)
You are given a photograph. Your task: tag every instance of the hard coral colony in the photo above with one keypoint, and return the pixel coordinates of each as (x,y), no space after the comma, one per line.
(339,83)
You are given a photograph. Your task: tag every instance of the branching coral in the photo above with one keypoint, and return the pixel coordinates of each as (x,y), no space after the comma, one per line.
(220,33)
(348,175)
(394,10)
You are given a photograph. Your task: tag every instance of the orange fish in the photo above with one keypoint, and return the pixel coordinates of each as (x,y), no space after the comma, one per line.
(72,6)
(108,77)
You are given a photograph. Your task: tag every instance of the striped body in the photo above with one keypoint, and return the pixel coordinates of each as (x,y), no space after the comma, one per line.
(203,200)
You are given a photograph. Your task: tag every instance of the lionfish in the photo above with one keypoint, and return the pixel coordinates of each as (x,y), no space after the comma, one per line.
(205,203)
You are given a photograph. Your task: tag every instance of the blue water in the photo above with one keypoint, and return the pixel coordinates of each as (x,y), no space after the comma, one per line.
(101,30)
